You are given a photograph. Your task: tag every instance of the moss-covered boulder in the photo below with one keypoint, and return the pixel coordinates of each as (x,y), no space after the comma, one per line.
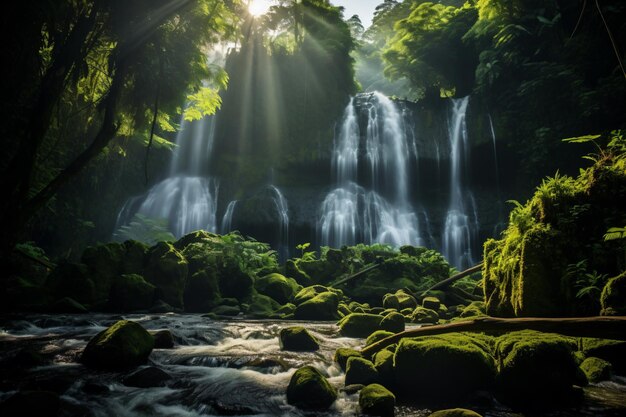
(321,307)
(432,303)
(131,292)
(536,369)
(376,400)
(123,345)
(613,351)
(359,324)
(226,310)
(202,292)
(104,263)
(447,366)
(390,301)
(306,293)
(297,339)
(166,269)
(278,287)
(455,412)
(201,255)
(285,312)
(262,307)
(596,369)
(71,280)
(613,297)
(292,270)
(163,339)
(198,236)
(393,322)
(360,371)
(383,362)
(376,336)
(474,309)
(309,390)
(343,354)
(134,257)
(423,315)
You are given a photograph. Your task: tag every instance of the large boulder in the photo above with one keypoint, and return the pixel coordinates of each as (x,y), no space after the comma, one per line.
(376,400)
(131,292)
(148,377)
(123,345)
(360,371)
(262,307)
(166,269)
(321,307)
(234,282)
(446,366)
(343,354)
(104,263)
(202,292)
(536,369)
(613,297)
(596,369)
(71,280)
(613,351)
(297,339)
(134,257)
(359,324)
(278,287)
(393,322)
(309,390)
(378,335)
(424,315)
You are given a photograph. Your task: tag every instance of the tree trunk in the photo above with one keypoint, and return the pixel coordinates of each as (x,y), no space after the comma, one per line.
(598,327)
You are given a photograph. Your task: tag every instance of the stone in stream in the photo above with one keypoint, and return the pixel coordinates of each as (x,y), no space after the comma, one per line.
(359,324)
(377,336)
(455,412)
(360,371)
(297,339)
(309,390)
(163,339)
(147,378)
(123,345)
(343,354)
(596,369)
(376,400)
(323,306)
(393,322)
(278,287)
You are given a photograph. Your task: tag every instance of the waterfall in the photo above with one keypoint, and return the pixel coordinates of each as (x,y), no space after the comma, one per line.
(459,229)
(188,197)
(351,213)
(227,220)
(283,221)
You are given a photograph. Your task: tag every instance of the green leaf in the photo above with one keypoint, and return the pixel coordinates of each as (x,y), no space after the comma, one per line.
(582,139)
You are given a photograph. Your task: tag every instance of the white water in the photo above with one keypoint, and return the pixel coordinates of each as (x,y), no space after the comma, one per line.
(187,199)
(282,209)
(461,224)
(351,213)
(227,220)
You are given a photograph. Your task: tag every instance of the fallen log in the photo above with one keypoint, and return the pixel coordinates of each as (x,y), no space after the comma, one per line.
(454,278)
(356,274)
(613,327)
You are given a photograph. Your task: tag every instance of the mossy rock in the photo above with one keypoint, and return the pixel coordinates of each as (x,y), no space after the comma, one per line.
(66,305)
(343,354)
(23,295)
(285,311)
(226,310)
(393,322)
(377,336)
(390,301)
(405,300)
(278,287)
(447,366)
(71,280)
(596,369)
(320,271)
(202,292)
(321,307)
(123,345)
(307,293)
(383,362)
(376,400)
(199,236)
(536,369)
(455,412)
(167,269)
(343,309)
(423,315)
(359,324)
(613,351)
(613,297)
(360,371)
(134,257)
(234,282)
(432,303)
(262,306)
(309,390)
(297,339)
(131,292)
(200,256)
(104,263)
(414,251)
(292,270)
(474,309)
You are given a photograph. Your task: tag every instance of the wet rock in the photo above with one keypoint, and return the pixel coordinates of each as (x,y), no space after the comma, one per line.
(343,354)
(596,369)
(393,322)
(147,378)
(27,358)
(613,297)
(474,309)
(376,400)
(278,287)
(323,306)
(455,412)
(359,324)
(360,371)
(163,339)
(131,292)
(68,306)
(202,292)
(234,282)
(423,315)
(352,389)
(297,339)
(224,310)
(309,390)
(383,362)
(104,264)
(307,293)
(95,388)
(262,306)
(167,269)
(161,306)
(123,345)
(432,303)
(613,351)
(31,403)
(377,336)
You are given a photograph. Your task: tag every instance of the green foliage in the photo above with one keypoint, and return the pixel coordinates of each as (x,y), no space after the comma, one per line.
(144,229)
(615,233)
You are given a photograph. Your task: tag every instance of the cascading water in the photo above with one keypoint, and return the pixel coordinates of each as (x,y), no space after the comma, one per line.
(351,213)
(283,221)
(459,229)
(188,197)
(227,220)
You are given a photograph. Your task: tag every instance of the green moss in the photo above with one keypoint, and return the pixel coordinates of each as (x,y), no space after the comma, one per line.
(262,306)
(432,303)
(343,354)
(424,316)
(359,324)
(376,400)
(104,263)
(596,369)
(613,296)
(321,307)
(131,292)
(360,371)
(455,412)
(235,281)
(613,351)
(307,293)
(297,339)
(390,301)
(292,270)
(448,366)
(536,369)
(202,292)
(167,269)
(343,309)
(383,362)
(123,345)
(474,309)
(393,322)
(309,390)
(285,311)
(199,236)
(376,336)
(278,287)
